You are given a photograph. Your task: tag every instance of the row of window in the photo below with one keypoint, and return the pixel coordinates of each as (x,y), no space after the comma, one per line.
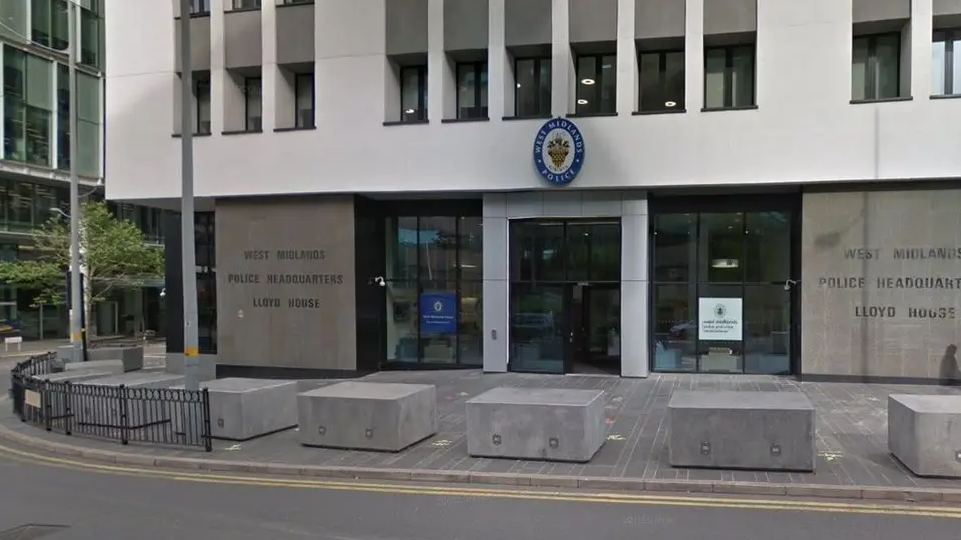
(33,118)
(202,7)
(729,79)
(45,22)
(252,88)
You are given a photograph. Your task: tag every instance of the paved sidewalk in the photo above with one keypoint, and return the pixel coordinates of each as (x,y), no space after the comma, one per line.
(853,458)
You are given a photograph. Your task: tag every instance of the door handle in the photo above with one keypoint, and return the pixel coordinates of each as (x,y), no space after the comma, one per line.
(572,337)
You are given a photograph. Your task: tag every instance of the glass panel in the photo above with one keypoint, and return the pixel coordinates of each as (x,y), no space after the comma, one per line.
(603,325)
(471,323)
(89,38)
(401,253)
(938,66)
(720,248)
(956,65)
(305,100)
(525,98)
(651,82)
(466,90)
(20,211)
(203,106)
(39,83)
(38,136)
(767,247)
(742,77)
(44,200)
(674,80)
(59,26)
(537,331)
(859,70)
(577,251)
(40,21)
(63,117)
(608,84)
(88,98)
(888,62)
(14,73)
(252,94)
(544,105)
(437,240)
(14,17)
(438,320)
(675,328)
(720,355)
(605,243)
(675,247)
(88,148)
(402,321)
(548,251)
(14,129)
(767,324)
(522,244)
(412,81)
(471,248)
(587,85)
(715,65)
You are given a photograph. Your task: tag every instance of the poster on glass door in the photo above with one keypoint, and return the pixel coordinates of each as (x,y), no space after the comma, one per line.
(719,319)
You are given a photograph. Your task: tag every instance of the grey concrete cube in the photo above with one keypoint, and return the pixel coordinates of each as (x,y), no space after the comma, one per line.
(113,367)
(95,407)
(132,357)
(924,433)
(58,395)
(742,430)
(536,423)
(367,416)
(241,409)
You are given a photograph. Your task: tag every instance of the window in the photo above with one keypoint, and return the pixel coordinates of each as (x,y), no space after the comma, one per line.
(946,63)
(413,93)
(661,81)
(472,90)
(28,107)
(304,100)
(90,51)
(597,84)
(63,117)
(202,95)
(252,104)
(88,125)
(49,23)
(876,67)
(291,2)
(729,77)
(532,96)
(246,4)
(199,6)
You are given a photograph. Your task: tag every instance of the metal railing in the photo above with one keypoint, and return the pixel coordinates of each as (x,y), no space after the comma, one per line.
(169,416)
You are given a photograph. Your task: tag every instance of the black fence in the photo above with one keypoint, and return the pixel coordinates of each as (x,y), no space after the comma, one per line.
(167,416)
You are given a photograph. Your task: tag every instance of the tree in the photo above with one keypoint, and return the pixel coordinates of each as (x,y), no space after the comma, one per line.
(114,255)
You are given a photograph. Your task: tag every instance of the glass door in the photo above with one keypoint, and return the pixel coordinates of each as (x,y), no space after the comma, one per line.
(540,332)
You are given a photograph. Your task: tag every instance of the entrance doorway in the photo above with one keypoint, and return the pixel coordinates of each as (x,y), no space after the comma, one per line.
(565,300)
(723,289)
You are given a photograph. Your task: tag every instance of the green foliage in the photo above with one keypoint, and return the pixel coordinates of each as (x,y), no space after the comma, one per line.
(114,252)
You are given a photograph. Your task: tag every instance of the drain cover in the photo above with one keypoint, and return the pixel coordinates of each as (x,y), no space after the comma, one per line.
(30,532)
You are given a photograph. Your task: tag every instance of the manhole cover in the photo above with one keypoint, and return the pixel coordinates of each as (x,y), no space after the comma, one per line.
(30,532)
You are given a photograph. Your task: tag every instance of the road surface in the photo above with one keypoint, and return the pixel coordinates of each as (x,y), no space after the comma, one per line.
(93,502)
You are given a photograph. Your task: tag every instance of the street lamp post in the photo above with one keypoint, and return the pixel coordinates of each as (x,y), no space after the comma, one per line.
(188,254)
(76,298)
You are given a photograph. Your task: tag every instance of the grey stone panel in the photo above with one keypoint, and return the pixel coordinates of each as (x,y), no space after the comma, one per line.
(536,423)
(65,353)
(295,33)
(91,407)
(241,409)
(593,21)
(207,368)
(947,7)
(199,44)
(132,357)
(110,367)
(742,430)
(730,17)
(406,27)
(527,22)
(924,433)
(367,416)
(866,11)
(659,19)
(243,36)
(466,25)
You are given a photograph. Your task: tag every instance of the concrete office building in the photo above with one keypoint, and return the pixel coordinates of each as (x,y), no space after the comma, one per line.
(620,186)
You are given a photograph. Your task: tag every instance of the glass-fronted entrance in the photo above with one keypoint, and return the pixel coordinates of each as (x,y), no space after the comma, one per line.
(723,290)
(565,299)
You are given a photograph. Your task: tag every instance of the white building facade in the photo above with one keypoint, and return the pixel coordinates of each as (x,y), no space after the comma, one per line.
(766,187)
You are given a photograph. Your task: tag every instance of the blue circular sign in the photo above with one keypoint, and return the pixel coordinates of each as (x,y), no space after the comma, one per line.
(559,151)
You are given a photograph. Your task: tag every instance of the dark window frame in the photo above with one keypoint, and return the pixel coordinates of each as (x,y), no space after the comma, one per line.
(947,36)
(598,77)
(540,107)
(729,55)
(260,87)
(313,100)
(479,70)
(662,55)
(420,114)
(871,68)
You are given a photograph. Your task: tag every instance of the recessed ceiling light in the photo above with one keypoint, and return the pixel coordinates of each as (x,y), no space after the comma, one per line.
(670,104)
(409,111)
(582,102)
(587,82)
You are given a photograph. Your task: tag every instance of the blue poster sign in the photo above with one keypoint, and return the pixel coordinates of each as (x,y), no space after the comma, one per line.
(438,313)
(559,151)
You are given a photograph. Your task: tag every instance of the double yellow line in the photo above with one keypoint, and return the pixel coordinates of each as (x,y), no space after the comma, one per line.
(493,493)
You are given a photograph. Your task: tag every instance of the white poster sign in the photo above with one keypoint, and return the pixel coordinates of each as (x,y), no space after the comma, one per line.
(719,319)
